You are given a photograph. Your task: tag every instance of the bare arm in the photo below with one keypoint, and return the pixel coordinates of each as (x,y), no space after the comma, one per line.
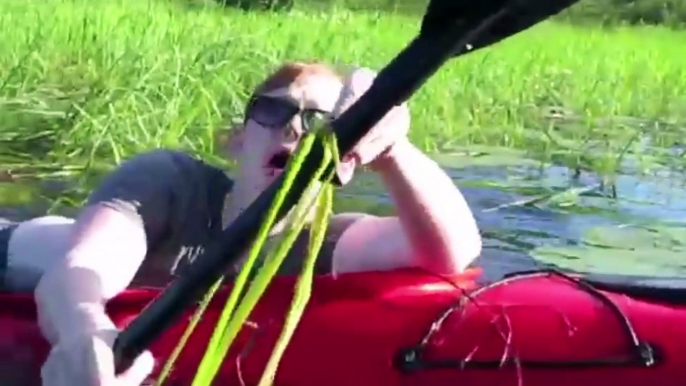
(107,246)
(106,250)
(434,230)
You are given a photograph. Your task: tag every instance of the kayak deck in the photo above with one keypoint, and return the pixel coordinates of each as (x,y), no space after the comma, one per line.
(534,328)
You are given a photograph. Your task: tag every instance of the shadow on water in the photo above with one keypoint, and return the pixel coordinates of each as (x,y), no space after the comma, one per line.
(531,216)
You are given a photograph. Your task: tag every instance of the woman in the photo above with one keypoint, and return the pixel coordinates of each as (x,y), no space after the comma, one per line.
(151,217)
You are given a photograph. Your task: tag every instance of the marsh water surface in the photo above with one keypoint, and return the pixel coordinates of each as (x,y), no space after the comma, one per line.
(531,214)
(534,215)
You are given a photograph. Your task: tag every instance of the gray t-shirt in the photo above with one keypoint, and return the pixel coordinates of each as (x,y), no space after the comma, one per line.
(179,200)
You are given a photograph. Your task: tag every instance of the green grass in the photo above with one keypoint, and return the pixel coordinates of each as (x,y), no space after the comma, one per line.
(586,12)
(87,83)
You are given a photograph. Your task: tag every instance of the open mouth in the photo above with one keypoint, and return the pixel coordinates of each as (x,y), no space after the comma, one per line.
(279,160)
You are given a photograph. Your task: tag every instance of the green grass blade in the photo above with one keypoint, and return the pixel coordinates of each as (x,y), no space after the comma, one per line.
(262,280)
(169,365)
(227,328)
(303,289)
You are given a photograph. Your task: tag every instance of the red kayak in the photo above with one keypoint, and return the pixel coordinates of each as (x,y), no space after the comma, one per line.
(407,328)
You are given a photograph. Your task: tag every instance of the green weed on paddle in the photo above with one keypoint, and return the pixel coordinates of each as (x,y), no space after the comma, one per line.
(235,313)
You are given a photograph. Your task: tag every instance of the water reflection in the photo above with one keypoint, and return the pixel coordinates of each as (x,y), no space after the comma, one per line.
(531,216)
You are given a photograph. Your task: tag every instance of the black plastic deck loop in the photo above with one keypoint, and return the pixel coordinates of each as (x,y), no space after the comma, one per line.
(642,353)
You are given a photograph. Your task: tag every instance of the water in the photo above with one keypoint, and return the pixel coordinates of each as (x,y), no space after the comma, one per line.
(530,216)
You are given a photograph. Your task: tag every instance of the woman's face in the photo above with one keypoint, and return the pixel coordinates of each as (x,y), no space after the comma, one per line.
(275,123)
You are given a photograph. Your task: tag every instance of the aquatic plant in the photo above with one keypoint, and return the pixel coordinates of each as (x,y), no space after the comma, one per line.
(234,315)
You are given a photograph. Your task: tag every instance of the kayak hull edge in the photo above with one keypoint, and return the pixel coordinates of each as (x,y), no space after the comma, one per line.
(376,328)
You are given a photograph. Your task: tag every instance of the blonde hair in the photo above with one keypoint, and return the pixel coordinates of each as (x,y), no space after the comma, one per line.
(292,73)
(356,81)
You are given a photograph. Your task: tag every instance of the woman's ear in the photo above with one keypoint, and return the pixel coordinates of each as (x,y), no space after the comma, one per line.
(231,141)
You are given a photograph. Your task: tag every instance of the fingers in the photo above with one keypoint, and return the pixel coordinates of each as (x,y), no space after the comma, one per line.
(141,369)
(356,83)
(346,169)
(393,125)
(360,80)
(382,136)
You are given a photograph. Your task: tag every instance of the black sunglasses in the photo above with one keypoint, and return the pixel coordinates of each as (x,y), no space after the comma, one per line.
(277,113)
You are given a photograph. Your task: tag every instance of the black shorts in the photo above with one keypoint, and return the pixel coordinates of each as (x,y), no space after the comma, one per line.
(6,229)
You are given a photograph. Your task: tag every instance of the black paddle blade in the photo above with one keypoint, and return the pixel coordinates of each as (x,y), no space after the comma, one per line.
(513,16)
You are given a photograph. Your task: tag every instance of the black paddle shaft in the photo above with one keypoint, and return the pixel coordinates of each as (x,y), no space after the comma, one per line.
(393,85)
